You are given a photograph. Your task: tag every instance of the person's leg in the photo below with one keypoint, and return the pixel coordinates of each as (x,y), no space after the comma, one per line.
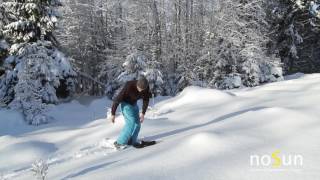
(129,115)
(134,137)
(137,126)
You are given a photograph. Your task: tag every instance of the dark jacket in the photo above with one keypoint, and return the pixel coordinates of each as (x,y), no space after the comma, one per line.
(131,95)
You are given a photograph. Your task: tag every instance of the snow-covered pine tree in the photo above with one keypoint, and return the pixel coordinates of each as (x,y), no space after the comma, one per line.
(314,8)
(29,91)
(3,53)
(219,73)
(183,78)
(259,65)
(37,73)
(90,35)
(271,70)
(204,67)
(137,64)
(134,66)
(112,72)
(3,44)
(224,59)
(204,70)
(240,48)
(296,34)
(155,78)
(251,72)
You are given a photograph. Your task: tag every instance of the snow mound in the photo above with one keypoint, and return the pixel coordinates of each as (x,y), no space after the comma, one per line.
(272,120)
(11,122)
(33,149)
(204,142)
(191,96)
(195,93)
(294,76)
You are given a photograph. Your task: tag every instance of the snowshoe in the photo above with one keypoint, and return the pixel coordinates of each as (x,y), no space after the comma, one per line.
(148,143)
(143,144)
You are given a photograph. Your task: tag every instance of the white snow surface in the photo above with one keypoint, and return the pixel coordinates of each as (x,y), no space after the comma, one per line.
(202,134)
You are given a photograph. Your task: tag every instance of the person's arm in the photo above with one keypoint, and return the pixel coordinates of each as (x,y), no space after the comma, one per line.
(146,98)
(118,99)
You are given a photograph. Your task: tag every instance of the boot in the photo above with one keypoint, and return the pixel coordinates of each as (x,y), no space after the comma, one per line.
(130,141)
(119,146)
(143,144)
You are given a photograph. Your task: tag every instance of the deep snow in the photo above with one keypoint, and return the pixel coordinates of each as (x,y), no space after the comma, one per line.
(202,134)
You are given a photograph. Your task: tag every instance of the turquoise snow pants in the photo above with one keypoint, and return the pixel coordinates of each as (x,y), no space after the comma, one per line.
(132,123)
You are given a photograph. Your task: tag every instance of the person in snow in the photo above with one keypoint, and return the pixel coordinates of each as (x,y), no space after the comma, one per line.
(127,98)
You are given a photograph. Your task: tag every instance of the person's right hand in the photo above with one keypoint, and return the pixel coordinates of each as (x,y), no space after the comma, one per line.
(113,118)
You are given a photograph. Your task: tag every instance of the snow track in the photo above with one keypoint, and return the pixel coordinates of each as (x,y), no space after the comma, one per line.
(102,148)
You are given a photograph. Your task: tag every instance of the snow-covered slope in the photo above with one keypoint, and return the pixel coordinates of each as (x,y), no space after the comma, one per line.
(202,134)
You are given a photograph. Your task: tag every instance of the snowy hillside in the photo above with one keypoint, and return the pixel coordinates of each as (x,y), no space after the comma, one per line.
(202,134)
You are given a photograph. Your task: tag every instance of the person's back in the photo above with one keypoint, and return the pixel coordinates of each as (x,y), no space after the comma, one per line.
(131,95)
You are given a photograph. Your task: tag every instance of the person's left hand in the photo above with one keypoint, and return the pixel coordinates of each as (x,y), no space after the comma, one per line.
(113,118)
(141,117)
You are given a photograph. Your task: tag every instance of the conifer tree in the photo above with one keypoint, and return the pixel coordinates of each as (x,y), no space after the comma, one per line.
(33,59)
